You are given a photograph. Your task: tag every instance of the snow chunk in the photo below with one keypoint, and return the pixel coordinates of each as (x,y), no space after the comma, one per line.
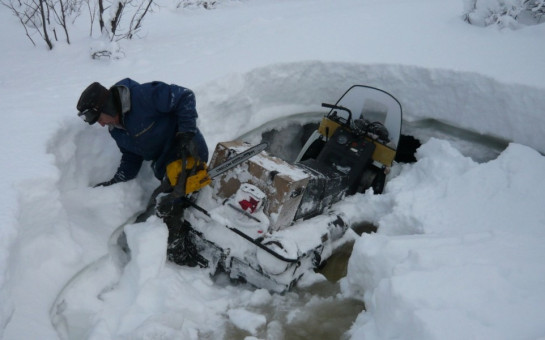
(260,297)
(246,320)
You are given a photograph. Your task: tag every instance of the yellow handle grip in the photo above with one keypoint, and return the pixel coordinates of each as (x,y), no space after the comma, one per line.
(193,183)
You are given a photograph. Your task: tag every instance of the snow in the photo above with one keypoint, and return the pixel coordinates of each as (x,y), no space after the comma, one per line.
(247,320)
(459,249)
(474,258)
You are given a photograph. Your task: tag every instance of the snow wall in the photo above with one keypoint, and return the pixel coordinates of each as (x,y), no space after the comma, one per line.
(466,100)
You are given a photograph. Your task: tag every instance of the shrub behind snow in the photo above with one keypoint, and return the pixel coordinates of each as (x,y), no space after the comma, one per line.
(504,13)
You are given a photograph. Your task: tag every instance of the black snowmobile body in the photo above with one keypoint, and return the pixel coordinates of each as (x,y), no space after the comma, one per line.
(268,222)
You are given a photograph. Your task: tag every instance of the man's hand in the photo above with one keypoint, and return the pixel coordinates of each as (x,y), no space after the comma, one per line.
(106,184)
(185,145)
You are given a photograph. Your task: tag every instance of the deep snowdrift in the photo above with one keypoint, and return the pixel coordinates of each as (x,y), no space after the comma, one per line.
(459,243)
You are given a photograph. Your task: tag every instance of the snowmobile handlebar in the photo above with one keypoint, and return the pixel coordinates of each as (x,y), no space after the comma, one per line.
(338,107)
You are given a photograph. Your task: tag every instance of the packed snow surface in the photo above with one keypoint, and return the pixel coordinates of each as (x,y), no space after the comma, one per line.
(459,249)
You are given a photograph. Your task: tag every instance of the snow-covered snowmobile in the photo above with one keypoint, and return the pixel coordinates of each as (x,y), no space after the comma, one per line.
(258,218)
(268,221)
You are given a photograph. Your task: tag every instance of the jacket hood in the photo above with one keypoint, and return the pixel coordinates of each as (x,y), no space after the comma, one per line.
(124,98)
(119,101)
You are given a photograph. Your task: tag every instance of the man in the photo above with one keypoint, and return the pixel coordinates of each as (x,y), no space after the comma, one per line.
(152,121)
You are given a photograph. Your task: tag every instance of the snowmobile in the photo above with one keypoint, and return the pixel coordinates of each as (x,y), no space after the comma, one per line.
(267,221)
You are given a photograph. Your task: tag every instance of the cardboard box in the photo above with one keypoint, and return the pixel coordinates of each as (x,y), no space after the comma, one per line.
(282,182)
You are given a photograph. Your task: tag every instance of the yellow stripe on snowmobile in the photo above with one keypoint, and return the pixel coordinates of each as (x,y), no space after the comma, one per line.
(382,153)
(328,127)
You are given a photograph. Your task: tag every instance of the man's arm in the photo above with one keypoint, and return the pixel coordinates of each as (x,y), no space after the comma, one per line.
(128,168)
(177,100)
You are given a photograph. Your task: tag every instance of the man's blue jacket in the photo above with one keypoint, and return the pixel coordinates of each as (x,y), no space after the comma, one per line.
(151,115)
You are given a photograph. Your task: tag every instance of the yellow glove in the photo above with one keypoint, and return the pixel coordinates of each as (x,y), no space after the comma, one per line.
(196,178)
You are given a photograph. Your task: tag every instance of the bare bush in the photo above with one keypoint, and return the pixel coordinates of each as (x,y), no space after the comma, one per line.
(208,4)
(36,17)
(504,13)
(51,19)
(126,18)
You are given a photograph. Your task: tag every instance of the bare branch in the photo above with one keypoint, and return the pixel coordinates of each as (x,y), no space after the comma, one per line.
(44,25)
(19,16)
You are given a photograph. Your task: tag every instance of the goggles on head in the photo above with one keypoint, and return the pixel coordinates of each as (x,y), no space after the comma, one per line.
(89,116)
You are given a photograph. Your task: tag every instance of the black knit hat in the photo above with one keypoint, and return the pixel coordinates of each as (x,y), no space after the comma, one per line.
(93,97)
(91,102)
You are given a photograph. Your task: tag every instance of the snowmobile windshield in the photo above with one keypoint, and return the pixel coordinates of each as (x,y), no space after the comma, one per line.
(374,105)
